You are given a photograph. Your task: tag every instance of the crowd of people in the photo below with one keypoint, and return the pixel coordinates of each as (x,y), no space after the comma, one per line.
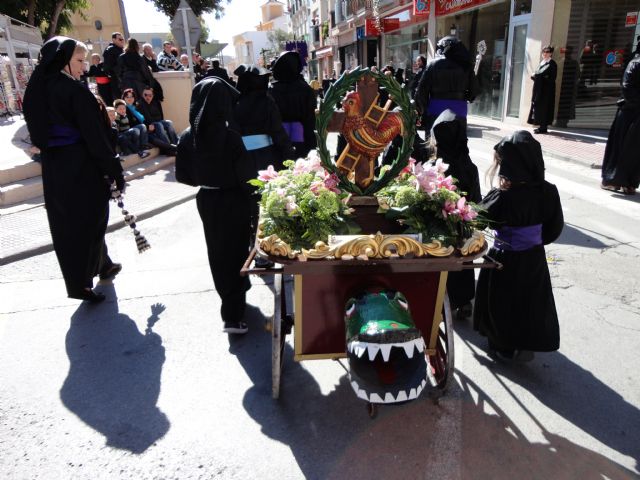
(240,127)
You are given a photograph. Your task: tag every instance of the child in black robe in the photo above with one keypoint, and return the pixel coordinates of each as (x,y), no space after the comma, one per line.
(514,306)
(449,134)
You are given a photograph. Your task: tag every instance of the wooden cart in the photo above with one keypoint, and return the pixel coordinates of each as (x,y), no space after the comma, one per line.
(321,288)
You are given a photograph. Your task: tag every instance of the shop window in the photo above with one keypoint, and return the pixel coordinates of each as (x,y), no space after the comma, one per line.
(521,7)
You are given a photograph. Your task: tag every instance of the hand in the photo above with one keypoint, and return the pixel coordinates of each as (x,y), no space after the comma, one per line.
(120,183)
(151,127)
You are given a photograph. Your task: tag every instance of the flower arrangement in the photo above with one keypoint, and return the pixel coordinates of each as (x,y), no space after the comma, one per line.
(427,201)
(302,204)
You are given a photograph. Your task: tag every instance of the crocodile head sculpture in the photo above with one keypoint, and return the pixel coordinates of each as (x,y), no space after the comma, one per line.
(384,347)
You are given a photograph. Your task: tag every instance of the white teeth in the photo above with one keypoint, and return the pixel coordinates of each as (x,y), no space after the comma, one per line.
(359,350)
(363,395)
(375,398)
(420,345)
(412,394)
(372,348)
(386,351)
(354,384)
(424,382)
(402,396)
(388,398)
(418,391)
(408,349)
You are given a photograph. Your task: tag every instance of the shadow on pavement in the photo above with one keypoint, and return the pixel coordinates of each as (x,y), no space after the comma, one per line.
(332,437)
(476,131)
(577,236)
(113,382)
(573,393)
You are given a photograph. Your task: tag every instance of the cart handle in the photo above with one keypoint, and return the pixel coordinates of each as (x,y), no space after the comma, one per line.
(489,262)
(246,270)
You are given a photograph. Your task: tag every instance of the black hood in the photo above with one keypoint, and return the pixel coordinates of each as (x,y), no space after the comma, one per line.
(450,134)
(453,49)
(212,101)
(251,78)
(55,54)
(521,158)
(287,67)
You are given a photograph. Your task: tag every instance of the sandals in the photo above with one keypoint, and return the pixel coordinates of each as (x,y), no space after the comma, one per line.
(111,272)
(611,188)
(88,295)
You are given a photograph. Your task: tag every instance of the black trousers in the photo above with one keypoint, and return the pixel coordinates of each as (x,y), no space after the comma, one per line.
(225,215)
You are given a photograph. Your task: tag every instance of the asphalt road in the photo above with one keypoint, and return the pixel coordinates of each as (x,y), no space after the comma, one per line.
(146,385)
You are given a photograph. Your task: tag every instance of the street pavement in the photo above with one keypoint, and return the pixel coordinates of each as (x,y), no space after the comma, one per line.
(145,385)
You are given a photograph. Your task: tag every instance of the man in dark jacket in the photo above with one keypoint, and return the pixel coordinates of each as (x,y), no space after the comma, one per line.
(448,82)
(110,62)
(217,71)
(161,131)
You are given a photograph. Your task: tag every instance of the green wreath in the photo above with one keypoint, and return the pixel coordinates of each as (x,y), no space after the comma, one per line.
(407,113)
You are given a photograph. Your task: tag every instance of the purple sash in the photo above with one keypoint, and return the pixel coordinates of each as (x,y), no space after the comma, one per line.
(295,130)
(518,239)
(61,135)
(438,105)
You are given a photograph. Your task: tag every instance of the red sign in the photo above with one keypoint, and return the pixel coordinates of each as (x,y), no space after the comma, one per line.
(445,7)
(421,8)
(386,24)
(632,19)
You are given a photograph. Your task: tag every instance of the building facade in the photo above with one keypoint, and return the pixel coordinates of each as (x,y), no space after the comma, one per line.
(593,40)
(98,22)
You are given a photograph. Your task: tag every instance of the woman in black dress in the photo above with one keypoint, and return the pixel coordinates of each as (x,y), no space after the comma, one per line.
(133,70)
(78,162)
(544,92)
(514,306)
(621,164)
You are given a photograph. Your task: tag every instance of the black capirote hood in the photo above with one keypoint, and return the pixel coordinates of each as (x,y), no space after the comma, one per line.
(521,158)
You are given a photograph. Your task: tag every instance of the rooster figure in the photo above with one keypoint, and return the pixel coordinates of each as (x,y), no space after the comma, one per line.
(366,135)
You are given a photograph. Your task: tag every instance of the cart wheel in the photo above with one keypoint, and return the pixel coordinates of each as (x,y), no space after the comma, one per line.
(372,410)
(442,361)
(277,339)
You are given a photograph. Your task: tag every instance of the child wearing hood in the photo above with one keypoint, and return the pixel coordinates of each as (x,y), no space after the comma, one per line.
(514,307)
(296,101)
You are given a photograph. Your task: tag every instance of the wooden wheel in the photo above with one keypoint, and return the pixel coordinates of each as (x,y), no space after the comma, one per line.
(442,362)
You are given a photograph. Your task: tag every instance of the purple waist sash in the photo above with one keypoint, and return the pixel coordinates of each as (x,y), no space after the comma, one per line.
(61,135)
(438,105)
(518,239)
(295,130)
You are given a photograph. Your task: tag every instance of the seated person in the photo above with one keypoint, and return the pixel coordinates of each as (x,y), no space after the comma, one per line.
(131,139)
(161,131)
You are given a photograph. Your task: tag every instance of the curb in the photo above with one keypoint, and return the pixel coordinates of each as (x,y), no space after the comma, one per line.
(48,247)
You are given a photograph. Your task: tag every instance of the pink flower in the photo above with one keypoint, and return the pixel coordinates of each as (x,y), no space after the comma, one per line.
(440,166)
(268,174)
(446,182)
(291,206)
(316,186)
(449,208)
(409,168)
(426,178)
(331,182)
(301,167)
(313,164)
(466,211)
(281,192)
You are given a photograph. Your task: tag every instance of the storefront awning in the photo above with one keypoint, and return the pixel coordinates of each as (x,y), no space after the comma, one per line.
(324,52)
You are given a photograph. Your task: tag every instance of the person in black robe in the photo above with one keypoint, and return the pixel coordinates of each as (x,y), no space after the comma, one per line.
(78,162)
(297,102)
(450,135)
(514,306)
(621,164)
(102,79)
(133,70)
(260,124)
(110,62)
(544,92)
(211,155)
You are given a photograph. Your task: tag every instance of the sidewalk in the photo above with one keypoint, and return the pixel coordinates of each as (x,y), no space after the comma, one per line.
(584,147)
(24,231)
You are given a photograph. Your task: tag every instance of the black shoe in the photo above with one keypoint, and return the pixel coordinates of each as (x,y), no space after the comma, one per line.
(263,263)
(111,272)
(88,295)
(540,130)
(239,328)
(523,356)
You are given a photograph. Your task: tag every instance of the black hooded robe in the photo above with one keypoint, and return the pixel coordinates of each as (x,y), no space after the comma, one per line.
(76,193)
(621,164)
(544,94)
(514,306)
(450,134)
(295,98)
(211,155)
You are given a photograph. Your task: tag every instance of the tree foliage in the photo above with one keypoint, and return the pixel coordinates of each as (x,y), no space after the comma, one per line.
(51,16)
(169,7)
(277,39)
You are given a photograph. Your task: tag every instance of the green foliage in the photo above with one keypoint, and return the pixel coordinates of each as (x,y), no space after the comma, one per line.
(45,16)
(407,114)
(277,40)
(301,204)
(169,7)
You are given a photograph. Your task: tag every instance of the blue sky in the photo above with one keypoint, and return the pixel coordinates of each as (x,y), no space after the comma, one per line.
(240,16)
